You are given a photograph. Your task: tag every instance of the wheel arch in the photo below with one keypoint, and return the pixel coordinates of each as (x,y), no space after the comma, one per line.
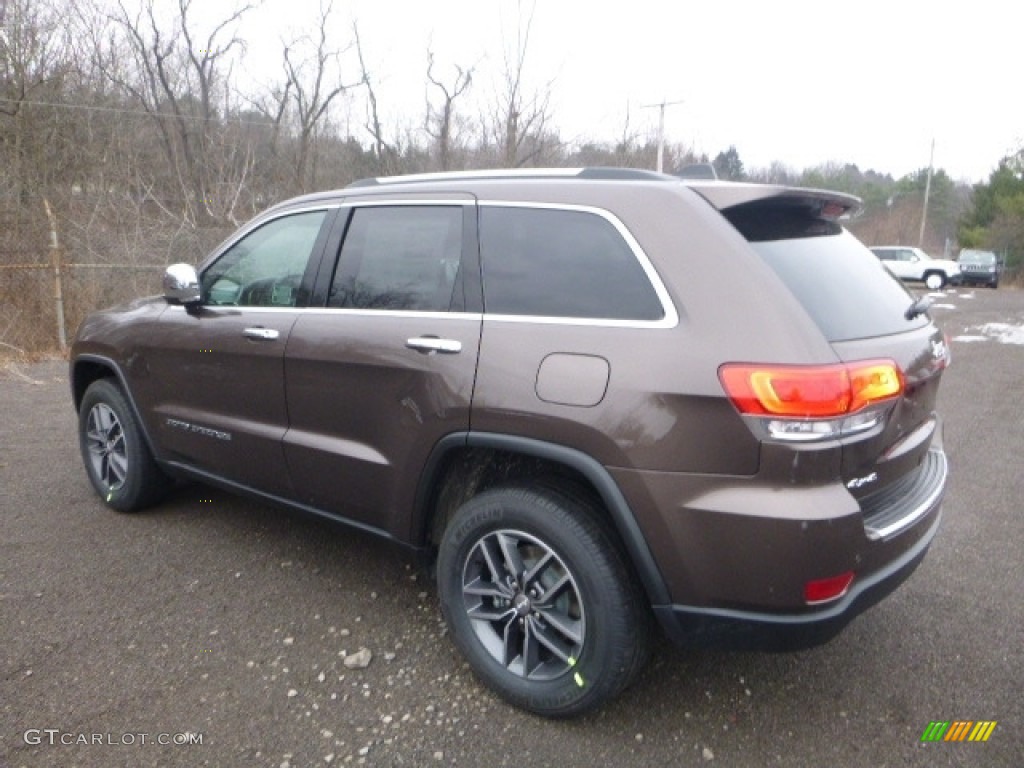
(89,368)
(464,464)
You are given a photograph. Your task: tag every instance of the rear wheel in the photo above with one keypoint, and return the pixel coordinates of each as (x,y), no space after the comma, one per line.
(541,601)
(935,280)
(117,459)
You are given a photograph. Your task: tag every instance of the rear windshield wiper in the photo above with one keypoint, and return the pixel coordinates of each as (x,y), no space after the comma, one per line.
(919,307)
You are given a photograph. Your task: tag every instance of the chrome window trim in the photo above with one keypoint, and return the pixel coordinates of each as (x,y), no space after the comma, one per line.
(671,316)
(670,319)
(592,322)
(414,313)
(425,315)
(235,309)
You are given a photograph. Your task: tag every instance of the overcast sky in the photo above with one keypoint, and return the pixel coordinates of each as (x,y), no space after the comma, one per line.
(794,81)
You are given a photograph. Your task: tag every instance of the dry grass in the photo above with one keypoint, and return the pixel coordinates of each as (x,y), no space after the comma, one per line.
(28,309)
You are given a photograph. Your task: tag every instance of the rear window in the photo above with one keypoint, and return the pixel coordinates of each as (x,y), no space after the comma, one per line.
(843,286)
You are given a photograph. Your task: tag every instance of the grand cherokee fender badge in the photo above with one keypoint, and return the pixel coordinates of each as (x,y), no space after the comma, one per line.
(860,482)
(185,426)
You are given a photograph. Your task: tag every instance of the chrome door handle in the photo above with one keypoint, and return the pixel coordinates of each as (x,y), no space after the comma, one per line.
(267,334)
(430,344)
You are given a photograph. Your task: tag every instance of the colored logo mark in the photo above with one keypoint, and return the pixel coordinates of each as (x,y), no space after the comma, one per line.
(959,730)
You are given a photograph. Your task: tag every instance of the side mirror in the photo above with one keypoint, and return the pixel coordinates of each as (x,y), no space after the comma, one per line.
(181,285)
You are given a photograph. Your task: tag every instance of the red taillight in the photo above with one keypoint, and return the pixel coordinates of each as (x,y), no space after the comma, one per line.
(832,588)
(819,391)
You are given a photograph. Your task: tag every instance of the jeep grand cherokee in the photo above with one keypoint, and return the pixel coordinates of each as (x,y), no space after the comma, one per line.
(595,396)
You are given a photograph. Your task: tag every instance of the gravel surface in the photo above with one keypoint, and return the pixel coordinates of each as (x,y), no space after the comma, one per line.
(275,640)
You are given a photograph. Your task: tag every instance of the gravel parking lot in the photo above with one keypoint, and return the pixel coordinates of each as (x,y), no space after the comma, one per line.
(234,628)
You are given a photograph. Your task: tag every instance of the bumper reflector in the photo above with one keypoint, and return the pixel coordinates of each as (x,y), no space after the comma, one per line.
(824,590)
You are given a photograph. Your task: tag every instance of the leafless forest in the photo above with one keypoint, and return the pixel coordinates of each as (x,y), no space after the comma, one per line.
(131,137)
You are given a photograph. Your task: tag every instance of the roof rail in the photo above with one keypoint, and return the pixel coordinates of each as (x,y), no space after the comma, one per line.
(600,173)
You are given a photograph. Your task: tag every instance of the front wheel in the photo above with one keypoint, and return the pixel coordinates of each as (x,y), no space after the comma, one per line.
(114,451)
(540,600)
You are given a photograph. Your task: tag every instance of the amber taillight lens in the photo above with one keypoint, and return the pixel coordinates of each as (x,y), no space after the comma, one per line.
(807,392)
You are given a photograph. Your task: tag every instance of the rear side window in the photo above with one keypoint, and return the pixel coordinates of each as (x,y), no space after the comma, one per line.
(843,286)
(549,262)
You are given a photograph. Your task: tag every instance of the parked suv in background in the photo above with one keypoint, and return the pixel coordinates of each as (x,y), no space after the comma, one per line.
(915,265)
(597,396)
(979,267)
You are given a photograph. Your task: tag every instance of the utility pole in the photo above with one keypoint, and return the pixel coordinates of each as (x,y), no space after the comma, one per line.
(661,127)
(927,192)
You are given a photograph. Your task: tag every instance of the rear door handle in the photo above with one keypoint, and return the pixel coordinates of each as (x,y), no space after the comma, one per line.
(430,344)
(267,334)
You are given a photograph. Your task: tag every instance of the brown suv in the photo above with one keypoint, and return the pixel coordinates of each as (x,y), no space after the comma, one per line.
(597,396)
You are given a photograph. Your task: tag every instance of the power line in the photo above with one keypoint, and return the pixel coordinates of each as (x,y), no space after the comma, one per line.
(123,111)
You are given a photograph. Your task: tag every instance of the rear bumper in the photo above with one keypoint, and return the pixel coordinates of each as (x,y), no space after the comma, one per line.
(737,555)
(751,630)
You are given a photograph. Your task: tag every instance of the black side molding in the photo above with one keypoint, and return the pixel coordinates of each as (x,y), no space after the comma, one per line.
(621,514)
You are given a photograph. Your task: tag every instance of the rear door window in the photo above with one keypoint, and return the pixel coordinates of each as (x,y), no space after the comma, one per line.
(400,258)
(553,262)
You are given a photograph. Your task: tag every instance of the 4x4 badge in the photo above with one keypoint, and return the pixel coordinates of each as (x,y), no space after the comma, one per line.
(860,482)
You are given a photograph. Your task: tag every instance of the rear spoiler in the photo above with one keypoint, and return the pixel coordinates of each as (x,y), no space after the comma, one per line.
(819,203)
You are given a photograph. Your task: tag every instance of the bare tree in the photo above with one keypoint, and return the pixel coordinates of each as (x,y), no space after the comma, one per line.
(440,119)
(624,147)
(384,152)
(521,119)
(176,75)
(34,65)
(312,87)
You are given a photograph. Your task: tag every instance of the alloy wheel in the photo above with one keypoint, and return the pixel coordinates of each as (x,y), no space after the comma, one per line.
(524,605)
(108,457)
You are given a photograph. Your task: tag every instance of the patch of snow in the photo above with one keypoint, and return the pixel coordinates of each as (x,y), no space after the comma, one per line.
(1004,333)
(967,338)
